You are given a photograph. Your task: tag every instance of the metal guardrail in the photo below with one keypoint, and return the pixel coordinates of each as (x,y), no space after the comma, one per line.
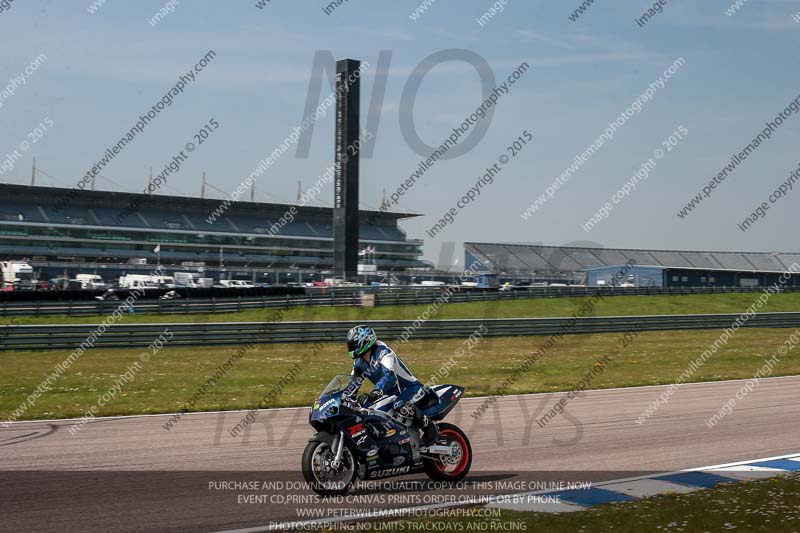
(49,337)
(177,306)
(341,297)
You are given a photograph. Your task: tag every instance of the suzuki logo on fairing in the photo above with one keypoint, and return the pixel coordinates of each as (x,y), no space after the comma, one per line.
(389,472)
(353,430)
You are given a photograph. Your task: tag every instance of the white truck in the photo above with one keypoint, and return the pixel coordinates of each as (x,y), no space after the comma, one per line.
(90,281)
(17,275)
(165,282)
(190,280)
(137,281)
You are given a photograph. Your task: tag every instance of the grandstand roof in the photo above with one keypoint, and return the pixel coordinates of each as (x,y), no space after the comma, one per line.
(534,257)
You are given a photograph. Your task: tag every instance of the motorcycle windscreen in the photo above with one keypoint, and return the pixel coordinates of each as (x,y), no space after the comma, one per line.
(448,396)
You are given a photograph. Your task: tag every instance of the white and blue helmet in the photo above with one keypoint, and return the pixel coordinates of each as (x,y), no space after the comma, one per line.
(359,340)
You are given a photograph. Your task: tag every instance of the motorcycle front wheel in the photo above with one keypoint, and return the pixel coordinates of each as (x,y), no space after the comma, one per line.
(323,478)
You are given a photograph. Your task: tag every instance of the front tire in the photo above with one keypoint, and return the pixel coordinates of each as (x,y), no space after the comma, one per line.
(315,466)
(451,468)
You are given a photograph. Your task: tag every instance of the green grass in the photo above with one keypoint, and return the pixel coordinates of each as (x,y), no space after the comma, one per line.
(765,505)
(530,307)
(173,375)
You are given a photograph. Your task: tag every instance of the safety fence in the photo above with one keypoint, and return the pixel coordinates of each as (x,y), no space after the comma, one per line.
(343,298)
(120,335)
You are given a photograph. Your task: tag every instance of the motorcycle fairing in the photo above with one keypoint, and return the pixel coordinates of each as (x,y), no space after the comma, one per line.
(448,396)
(380,443)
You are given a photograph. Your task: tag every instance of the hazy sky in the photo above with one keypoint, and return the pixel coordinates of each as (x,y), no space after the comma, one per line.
(104,69)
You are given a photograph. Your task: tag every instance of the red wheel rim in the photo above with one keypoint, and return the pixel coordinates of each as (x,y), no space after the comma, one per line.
(449,469)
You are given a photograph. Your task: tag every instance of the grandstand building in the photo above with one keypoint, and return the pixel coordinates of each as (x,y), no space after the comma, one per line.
(654,268)
(259,241)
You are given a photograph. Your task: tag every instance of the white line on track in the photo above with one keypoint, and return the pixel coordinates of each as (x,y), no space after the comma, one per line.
(402,511)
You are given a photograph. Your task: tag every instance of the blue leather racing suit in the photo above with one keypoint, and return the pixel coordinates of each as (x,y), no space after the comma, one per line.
(390,375)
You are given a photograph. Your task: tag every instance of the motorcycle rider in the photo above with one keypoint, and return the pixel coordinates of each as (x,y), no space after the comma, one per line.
(375,361)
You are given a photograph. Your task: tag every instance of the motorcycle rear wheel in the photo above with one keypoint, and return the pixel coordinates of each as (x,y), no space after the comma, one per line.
(452,468)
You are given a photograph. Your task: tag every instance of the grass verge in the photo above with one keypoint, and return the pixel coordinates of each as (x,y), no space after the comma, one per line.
(173,375)
(765,505)
(531,307)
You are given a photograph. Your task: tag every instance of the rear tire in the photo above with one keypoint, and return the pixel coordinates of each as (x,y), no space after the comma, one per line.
(319,451)
(450,469)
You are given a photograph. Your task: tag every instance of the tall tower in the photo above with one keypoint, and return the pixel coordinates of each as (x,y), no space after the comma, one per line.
(345,205)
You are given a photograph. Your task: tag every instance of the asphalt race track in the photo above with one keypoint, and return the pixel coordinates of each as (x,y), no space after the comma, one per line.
(130,474)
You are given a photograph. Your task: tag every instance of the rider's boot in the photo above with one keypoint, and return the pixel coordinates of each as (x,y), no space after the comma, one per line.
(429,430)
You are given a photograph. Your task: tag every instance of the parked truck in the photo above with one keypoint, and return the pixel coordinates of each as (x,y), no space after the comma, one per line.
(17,275)
(90,281)
(189,280)
(164,282)
(137,281)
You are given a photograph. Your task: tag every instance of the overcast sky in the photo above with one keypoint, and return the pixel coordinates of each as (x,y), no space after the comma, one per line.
(104,69)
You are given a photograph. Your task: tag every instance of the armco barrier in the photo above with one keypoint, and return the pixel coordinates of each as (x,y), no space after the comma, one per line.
(84,295)
(49,337)
(341,297)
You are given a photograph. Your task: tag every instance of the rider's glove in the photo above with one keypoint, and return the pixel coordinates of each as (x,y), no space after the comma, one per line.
(375,395)
(349,398)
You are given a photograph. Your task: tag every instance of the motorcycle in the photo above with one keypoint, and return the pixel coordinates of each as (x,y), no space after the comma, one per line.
(358,441)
